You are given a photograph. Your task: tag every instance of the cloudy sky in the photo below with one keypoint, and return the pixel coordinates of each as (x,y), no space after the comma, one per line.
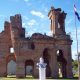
(34,14)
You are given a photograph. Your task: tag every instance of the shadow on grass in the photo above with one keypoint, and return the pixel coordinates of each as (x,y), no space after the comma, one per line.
(60,78)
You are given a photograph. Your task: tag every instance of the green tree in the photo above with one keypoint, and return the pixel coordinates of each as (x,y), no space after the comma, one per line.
(75,67)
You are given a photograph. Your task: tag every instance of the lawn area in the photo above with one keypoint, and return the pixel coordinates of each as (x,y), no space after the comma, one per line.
(32,79)
(27,78)
(10,78)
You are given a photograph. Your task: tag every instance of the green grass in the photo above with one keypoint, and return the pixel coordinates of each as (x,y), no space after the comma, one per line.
(76,75)
(27,78)
(32,79)
(10,78)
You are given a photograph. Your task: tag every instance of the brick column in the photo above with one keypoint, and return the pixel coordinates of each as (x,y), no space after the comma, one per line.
(3,68)
(20,72)
(53,64)
(68,57)
(36,70)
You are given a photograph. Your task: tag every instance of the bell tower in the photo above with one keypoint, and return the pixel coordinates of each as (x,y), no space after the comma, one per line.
(57,18)
(16,26)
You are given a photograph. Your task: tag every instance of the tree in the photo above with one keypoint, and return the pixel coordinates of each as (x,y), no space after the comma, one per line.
(75,66)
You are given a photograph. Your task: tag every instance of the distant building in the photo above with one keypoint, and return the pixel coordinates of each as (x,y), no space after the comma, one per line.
(19,55)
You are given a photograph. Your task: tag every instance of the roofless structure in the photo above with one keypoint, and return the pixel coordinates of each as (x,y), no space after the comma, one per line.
(19,55)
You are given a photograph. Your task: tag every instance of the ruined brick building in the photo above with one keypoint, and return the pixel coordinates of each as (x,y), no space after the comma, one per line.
(56,49)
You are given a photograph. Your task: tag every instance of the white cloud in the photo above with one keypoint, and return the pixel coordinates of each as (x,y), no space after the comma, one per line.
(32,23)
(46,10)
(37,13)
(25,17)
(49,33)
(24,24)
(32,31)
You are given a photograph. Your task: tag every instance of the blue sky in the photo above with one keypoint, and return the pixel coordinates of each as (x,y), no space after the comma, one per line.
(34,15)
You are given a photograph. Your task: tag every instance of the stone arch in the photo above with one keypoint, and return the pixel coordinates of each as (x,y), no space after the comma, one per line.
(29,66)
(11,57)
(46,57)
(11,64)
(11,67)
(32,46)
(61,63)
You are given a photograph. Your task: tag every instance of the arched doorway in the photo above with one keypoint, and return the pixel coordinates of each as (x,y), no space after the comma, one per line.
(11,67)
(29,65)
(61,64)
(46,58)
(11,64)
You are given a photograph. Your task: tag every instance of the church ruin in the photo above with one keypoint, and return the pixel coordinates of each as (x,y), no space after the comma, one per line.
(23,53)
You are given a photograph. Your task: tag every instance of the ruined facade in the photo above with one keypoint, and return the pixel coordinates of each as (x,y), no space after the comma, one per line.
(56,49)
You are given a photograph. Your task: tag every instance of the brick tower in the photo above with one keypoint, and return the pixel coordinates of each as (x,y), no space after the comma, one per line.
(62,41)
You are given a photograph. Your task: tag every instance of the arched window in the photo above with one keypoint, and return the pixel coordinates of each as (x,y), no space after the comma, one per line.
(61,63)
(60,53)
(29,66)
(31,46)
(46,57)
(11,67)
(11,50)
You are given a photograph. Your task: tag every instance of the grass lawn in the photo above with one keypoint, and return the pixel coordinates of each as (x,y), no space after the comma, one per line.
(32,79)
(27,78)
(2,78)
